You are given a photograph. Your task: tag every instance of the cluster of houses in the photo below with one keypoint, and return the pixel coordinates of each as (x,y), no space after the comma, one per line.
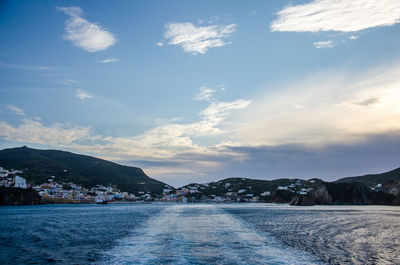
(73,192)
(53,190)
(296,187)
(208,192)
(224,192)
(195,193)
(199,193)
(11,178)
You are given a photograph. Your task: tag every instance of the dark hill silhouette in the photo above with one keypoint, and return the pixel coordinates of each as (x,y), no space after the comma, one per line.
(39,165)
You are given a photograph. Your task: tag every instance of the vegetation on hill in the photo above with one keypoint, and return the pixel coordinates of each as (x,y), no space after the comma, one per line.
(278,190)
(372,180)
(39,165)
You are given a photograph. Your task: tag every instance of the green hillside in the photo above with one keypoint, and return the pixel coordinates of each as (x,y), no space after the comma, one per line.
(372,180)
(39,165)
(250,186)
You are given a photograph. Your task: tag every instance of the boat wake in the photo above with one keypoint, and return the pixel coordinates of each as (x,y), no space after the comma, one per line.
(201,234)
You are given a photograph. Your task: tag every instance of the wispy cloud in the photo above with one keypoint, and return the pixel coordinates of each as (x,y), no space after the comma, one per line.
(339,15)
(367,102)
(33,131)
(82,95)
(84,34)
(198,40)
(16,110)
(353,37)
(69,82)
(324,44)
(26,67)
(110,60)
(205,94)
(161,142)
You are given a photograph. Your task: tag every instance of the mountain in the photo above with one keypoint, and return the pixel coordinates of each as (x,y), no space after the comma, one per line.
(352,191)
(278,190)
(39,165)
(371,180)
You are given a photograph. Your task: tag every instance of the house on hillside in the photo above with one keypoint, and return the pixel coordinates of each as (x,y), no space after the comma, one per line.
(20,182)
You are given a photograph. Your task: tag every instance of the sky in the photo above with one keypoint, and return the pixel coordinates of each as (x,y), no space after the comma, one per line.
(197,91)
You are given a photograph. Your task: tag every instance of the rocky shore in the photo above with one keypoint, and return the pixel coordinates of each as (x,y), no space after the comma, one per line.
(330,193)
(19,196)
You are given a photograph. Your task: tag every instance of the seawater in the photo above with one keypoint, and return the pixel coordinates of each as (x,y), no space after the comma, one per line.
(199,234)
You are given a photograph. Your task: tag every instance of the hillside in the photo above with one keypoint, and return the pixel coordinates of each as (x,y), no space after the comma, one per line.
(39,165)
(278,190)
(372,180)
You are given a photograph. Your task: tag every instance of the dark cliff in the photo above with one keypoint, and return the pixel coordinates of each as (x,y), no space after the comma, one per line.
(331,193)
(18,196)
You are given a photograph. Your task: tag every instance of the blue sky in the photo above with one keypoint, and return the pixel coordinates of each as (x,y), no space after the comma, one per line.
(198,91)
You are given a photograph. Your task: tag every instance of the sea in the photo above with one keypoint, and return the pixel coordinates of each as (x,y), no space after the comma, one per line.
(238,233)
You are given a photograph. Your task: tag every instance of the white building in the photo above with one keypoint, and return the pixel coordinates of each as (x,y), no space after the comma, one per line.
(19,182)
(283,188)
(265,193)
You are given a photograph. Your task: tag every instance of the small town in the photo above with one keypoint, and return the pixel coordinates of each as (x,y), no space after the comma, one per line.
(70,192)
(54,191)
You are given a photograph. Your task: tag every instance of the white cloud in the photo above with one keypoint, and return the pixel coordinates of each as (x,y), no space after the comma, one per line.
(340,106)
(26,67)
(338,15)
(87,35)
(353,37)
(16,110)
(161,142)
(198,40)
(218,109)
(110,60)
(82,95)
(205,94)
(69,82)
(324,44)
(32,131)
(160,44)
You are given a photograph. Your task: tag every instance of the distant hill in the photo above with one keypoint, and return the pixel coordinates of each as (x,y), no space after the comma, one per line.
(39,165)
(372,180)
(253,187)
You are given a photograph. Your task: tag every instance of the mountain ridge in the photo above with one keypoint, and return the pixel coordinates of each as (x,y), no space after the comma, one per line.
(39,165)
(371,180)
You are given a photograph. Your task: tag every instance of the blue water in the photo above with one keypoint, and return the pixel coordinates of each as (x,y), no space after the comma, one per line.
(199,234)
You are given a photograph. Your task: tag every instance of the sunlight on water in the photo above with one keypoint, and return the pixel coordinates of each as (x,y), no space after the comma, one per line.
(201,234)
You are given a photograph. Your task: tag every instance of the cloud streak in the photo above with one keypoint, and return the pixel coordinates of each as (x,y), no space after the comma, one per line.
(26,67)
(324,44)
(339,15)
(16,110)
(89,36)
(198,40)
(82,95)
(110,60)
(205,94)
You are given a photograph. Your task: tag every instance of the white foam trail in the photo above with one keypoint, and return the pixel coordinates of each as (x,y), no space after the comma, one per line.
(201,234)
